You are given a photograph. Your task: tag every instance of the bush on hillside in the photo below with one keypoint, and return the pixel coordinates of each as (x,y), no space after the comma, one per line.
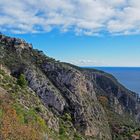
(22,81)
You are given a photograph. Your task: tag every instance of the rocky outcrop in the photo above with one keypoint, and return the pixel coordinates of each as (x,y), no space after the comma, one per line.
(81,98)
(45,89)
(17,43)
(120,99)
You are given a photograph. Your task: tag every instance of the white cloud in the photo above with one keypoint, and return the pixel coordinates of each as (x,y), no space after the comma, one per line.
(89,17)
(87,62)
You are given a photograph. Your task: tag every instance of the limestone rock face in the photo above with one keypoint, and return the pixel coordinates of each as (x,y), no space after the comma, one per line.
(81,99)
(120,99)
(44,89)
(17,43)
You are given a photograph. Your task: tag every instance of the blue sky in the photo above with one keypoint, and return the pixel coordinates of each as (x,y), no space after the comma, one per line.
(85,33)
(88,50)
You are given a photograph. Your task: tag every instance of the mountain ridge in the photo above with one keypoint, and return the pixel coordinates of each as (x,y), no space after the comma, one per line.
(92,98)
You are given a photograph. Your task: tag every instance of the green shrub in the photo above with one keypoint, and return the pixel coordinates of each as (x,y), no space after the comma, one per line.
(77,137)
(22,81)
(1,112)
(2,72)
(63,133)
(67,117)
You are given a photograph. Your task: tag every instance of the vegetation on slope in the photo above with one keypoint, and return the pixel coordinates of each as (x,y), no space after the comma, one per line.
(17,122)
(123,127)
(21,114)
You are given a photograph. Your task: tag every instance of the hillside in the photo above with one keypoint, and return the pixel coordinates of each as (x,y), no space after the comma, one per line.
(61,101)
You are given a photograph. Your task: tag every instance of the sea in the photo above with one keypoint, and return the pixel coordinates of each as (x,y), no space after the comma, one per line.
(128,76)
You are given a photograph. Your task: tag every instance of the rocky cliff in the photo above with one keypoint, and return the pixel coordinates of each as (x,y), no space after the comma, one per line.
(92,99)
